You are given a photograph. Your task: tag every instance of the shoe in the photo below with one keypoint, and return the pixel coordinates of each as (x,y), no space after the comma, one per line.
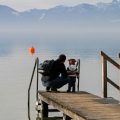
(47,89)
(54,90)
(68,91)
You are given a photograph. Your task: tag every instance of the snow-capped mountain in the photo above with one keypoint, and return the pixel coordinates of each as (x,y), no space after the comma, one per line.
(7,14)
(62,15)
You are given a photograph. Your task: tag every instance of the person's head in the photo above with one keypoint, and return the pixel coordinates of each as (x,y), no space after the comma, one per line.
(62,58)
(72,61)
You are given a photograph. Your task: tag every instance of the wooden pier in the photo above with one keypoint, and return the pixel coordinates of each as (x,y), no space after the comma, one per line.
(80,106)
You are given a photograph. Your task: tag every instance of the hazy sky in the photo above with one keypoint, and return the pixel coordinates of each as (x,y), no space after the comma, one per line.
(22,5)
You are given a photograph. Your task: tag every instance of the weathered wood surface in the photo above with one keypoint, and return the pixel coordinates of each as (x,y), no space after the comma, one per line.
(82,105)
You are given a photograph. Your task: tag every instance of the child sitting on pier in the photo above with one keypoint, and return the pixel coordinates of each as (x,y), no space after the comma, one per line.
(72,73)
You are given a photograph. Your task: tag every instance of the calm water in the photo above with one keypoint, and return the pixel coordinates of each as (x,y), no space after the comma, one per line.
(16,65)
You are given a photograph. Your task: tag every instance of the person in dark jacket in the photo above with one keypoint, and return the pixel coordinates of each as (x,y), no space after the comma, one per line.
(58,75)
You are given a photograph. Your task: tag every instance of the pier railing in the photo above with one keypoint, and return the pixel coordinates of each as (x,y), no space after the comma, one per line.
(105,59)
(33,73)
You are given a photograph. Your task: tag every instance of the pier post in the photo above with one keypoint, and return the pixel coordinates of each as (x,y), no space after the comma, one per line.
(44,110)
(65,117)
(104,73)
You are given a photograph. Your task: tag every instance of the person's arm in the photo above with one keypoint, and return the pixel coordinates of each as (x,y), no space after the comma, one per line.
(72,72)
(63,71)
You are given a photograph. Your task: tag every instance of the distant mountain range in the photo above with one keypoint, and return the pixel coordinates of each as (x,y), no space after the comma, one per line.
(101,13)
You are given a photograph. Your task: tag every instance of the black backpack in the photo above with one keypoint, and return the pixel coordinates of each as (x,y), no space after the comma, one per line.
(46,67)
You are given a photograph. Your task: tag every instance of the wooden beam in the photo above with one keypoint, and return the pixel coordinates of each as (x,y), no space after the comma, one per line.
(65,117)
(104,76)
(44,110)
(110,60)
(112,83)
(53,110)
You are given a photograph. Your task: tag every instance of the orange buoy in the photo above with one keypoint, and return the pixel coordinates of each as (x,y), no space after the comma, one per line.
(32,50)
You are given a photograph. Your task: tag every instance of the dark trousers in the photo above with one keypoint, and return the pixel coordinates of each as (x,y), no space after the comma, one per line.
(55,83)
(71,85)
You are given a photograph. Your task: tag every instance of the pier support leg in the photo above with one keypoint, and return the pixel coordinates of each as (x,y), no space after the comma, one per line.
(65,117)
(44,110)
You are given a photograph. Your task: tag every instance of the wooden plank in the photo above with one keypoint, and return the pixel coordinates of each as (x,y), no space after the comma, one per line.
(82,105)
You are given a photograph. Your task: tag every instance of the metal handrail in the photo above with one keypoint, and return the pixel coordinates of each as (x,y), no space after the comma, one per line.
(104,72)
(35,65)
(37,80)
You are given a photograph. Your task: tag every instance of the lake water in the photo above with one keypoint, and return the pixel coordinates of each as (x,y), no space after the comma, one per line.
(16,65)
